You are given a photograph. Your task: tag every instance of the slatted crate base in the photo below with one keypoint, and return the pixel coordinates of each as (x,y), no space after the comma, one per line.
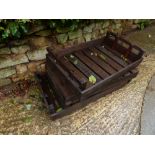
(55,108)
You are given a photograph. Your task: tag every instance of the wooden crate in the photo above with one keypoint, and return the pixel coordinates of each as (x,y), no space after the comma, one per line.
(106,60)
(52,103)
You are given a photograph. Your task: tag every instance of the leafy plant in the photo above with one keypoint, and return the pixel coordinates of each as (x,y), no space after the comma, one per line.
(143,23)
(13,28)
(16,28)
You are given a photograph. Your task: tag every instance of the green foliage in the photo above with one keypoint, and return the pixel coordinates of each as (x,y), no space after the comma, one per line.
(65,25)
(16,28)
(143,23)
(13,28)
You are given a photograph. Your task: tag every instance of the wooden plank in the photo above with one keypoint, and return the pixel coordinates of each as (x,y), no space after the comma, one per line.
(116,56)
(58,90)
(74,72)
(107,59)
(83,68)
(107,81)
(93,66)
(63,52)
(65,74)
(105,66)
(49,98)
(65,93)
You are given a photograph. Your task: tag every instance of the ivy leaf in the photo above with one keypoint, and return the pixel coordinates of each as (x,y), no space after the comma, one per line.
(13,28)
(6,33)
(1,28)
(59,109)
(24,28)
(92,79)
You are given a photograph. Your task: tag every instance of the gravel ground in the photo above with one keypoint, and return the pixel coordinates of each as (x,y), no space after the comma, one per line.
(148,111)
(116,113)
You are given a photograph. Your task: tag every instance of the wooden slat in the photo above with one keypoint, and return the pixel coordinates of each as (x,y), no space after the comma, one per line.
(113,56)
(64,73)
(100,62)
(107,81)
(64,90)
(83,68)
(107,59)
(93,66)
(63,52)
(48,94)
(74,72)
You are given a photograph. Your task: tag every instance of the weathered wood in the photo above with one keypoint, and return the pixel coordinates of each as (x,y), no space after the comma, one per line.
(92,65)
(69,70)
(74,72)
(63,52)
(65,74)
(49,95)
(65,93)
(107,59)
(83,68)
(117,59)
(103,83)
(114,86)
(105,66)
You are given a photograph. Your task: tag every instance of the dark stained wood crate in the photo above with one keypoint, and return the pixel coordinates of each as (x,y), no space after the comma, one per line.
(106,59)
(52,101)
(66,86)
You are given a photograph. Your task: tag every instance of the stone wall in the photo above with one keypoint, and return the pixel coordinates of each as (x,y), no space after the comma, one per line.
(20,59)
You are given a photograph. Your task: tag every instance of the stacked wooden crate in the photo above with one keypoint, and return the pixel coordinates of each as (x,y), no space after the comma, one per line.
(83,73)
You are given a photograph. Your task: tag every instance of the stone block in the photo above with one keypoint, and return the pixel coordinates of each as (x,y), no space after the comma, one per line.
(37,54)
(105,24)
(75,34)
(118,25)
(44,33)
(36,28)
(95,34)
(12,60)
(34,66)
(16,78)
(21,69)
(117,21)
(62,38)
(88,29)
(4,73)
(42,67)
(81,40)
(136,21)
(5,51)
(103,32)
(88,37)
(134,26)
(39,42)
(20,49)
(4,82)
(98,26)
